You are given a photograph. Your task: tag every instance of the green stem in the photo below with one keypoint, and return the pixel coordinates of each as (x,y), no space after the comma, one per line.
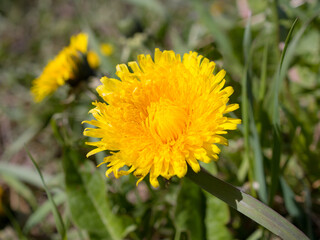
(247,205)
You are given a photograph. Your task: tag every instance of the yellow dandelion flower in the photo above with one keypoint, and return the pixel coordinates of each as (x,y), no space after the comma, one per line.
(93,59)
(71,65)
(79,42)
(162,116)
(106,49)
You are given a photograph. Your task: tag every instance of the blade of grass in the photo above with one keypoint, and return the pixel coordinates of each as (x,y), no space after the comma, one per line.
(245,109)
(37,216)
(257,165)
(247,205)
(263,77)
(256,235)
(23,173)
(276,148)
(286,58)
(275,163)
(290,203)
(280,75)
(56,214)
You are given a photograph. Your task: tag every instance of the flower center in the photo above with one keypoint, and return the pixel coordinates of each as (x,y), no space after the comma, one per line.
(166,120)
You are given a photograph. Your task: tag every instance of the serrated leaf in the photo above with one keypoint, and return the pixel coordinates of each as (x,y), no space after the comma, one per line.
(87,199)
(217,216)
(188,215)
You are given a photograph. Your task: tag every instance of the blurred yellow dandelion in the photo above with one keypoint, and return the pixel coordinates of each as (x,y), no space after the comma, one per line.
(93,59)
(162,116)
(106,49)
(72,64)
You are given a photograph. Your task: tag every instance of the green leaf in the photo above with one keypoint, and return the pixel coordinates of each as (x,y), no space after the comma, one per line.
(256,164)
(217,216)
(281,71)
(247,115)
(258,160)
(291,204)
(39,215)
(263,76)
(23,173)
(256,235)
(87,199)
(56,214)
(276,148)
(286,58)
(247,205)
(188,213)
(246,164)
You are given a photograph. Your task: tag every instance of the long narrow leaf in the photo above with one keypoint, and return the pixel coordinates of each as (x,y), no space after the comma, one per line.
(290,203)
(257,162)
(38,216)
(247,161)
(23,173)
(56,214)
(286,58)
(247,205)
(276,148)
(263,76)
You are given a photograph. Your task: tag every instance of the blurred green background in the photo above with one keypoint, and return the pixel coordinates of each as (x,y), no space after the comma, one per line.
(275,154)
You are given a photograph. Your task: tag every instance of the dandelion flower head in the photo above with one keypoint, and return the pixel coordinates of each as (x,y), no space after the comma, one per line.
(106,49)
(162,116)
(73,63)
